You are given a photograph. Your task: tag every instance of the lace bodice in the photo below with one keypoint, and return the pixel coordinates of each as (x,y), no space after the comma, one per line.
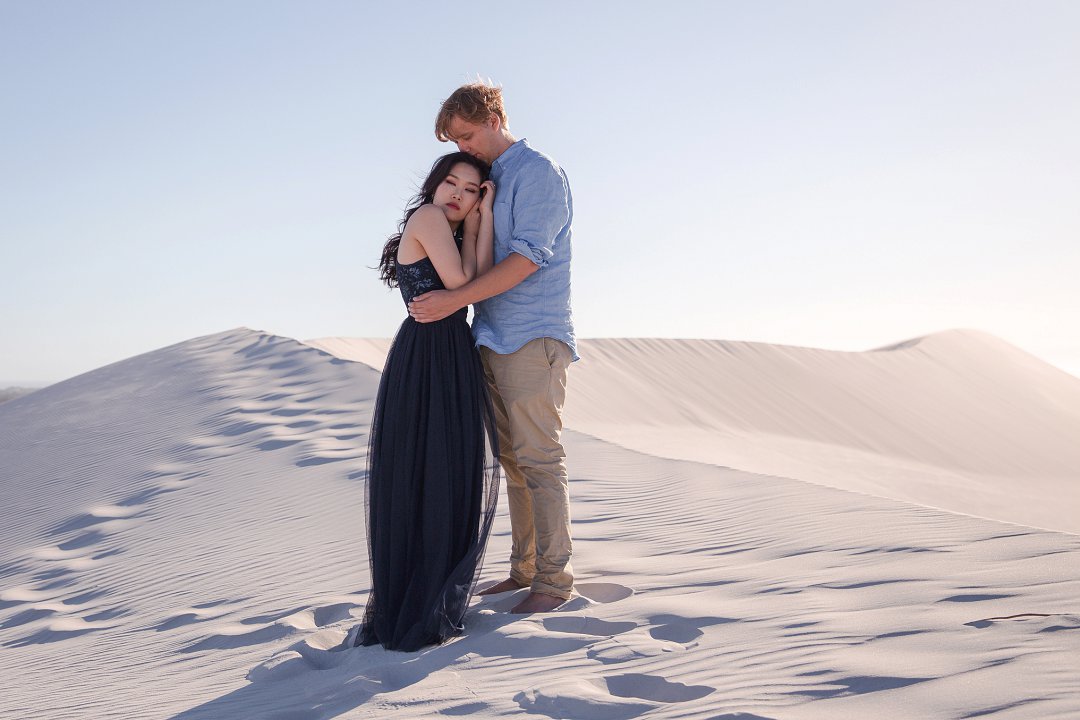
(418,278)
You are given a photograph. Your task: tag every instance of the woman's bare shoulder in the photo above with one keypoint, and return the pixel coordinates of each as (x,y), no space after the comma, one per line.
(427,215)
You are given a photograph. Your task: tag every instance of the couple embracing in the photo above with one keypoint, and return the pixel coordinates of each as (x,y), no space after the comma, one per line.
(489,228)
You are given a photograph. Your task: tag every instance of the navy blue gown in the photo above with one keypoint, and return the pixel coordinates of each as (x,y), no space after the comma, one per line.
(433,478)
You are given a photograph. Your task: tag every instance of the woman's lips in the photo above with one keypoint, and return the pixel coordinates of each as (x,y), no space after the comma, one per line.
(453,205)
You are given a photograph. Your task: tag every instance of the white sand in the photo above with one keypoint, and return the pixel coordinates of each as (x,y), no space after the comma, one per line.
(183,537)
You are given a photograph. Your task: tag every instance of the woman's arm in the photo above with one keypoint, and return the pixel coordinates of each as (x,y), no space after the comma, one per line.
(437,304)
(485,242)
(470,229)
(429,227)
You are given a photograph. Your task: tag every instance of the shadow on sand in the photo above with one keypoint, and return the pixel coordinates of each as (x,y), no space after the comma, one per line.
(318,677)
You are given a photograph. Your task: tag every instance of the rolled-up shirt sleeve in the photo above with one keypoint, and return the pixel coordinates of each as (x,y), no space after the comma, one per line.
(541,212)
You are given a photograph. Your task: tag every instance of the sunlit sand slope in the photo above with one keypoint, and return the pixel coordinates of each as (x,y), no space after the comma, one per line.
(958,420)
(182,536)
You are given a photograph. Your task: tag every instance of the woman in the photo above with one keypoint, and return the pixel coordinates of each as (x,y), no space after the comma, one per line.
(432,474)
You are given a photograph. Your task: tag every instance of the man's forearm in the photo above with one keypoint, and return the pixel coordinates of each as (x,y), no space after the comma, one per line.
(499,279)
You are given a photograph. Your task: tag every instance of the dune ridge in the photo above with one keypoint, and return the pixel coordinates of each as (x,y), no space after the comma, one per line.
(183,537)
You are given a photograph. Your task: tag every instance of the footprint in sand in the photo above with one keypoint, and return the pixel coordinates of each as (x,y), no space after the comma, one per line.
(24,594)
(320,616)
(587,626)
(603,593)
(683,630)
(585,595)
(26,616)
(229,637)
(373,671)
(188,616)
(471,708)
(579,699)
(668,633)
(631,646)
(1035,622)
(285,664)
(322,650)
(976,597)
(272,627)
(654,688)
(71,614)
(609,698)
(95,516)
(81,544)
(60,629)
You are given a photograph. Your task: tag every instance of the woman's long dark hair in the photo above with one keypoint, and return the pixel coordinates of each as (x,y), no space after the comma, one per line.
(439,171)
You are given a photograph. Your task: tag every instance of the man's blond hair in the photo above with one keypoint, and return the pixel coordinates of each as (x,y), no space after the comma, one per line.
(474,103)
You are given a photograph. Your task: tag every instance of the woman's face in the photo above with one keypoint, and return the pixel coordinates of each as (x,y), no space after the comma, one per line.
(458,193)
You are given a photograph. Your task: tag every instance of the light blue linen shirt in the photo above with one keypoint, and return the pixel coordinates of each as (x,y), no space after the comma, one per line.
(532,211)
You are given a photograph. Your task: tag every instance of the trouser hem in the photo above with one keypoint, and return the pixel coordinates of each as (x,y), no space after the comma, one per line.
(545,589)
(520,579)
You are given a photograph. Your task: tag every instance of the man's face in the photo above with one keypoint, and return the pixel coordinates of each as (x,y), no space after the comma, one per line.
(480,141)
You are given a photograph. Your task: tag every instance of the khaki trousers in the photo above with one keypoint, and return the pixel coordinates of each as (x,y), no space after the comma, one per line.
(528,388)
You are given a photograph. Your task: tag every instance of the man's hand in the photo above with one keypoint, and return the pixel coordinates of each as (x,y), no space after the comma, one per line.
(434,305)
(439,304)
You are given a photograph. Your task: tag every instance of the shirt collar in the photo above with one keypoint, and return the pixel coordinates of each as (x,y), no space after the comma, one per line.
(509,154)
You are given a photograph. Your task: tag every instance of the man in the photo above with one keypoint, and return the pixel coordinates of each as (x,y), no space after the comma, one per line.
(525,334)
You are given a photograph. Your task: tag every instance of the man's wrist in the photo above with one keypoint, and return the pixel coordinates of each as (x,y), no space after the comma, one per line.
(459,297)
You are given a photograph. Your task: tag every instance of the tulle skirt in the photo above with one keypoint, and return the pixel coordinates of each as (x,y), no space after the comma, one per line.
(432,485)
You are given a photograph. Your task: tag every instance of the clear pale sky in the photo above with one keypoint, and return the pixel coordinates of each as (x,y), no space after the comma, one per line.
(842,175)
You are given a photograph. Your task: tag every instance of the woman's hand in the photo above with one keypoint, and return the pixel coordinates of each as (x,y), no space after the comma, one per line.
(472,221)
(488,200)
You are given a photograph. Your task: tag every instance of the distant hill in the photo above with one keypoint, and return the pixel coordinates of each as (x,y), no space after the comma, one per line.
(14,392)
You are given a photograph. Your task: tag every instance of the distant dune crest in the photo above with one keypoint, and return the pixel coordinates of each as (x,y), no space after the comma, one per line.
(913,421)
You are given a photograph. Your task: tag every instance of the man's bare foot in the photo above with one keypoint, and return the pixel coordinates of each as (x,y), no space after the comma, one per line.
(505,586)
(538,602)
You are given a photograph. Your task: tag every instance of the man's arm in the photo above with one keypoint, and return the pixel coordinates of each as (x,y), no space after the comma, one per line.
(540,212)
(439,304)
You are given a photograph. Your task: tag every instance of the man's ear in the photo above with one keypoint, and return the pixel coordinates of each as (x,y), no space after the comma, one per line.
(494,122)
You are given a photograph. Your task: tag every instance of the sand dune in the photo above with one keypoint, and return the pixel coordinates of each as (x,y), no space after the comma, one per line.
(182,538)
(959,420)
